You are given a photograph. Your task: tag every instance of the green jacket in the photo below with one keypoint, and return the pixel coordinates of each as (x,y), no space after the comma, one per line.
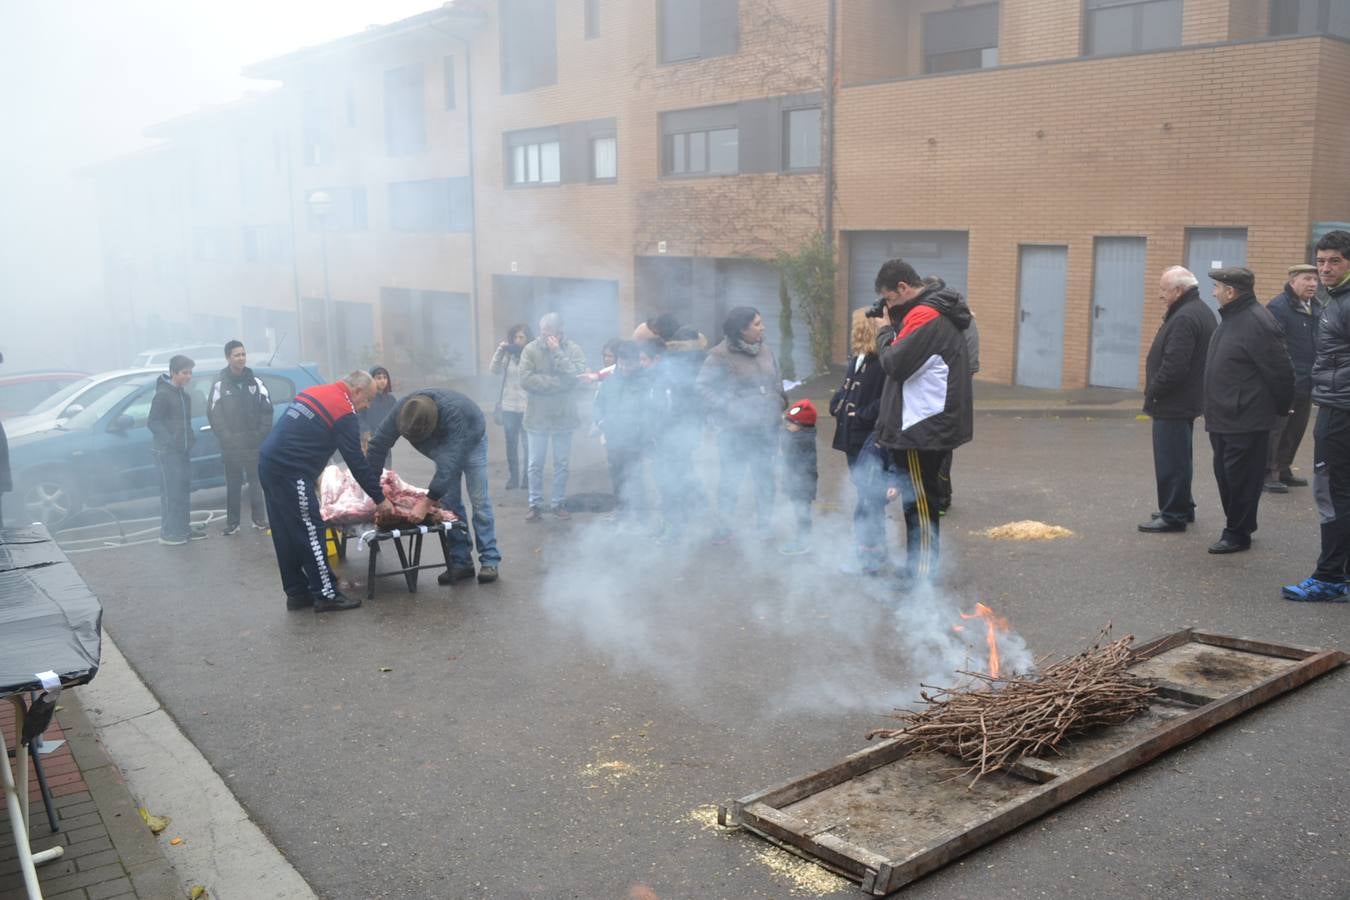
(549,378)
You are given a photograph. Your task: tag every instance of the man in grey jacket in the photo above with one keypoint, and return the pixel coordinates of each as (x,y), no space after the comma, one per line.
(447,428)
(549,370)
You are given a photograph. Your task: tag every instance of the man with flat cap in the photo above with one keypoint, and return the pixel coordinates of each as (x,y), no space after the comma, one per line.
(1249,384)
(1298,310)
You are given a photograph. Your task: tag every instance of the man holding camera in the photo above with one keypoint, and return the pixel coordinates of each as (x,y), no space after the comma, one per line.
(926,406)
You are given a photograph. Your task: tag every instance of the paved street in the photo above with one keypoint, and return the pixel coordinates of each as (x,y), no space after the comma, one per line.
(562,733)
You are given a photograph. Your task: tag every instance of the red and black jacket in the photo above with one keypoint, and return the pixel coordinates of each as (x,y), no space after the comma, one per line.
(319,421)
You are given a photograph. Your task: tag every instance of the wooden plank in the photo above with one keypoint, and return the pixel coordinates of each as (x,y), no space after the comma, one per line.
(1161,645)
(1037,770)
(842,856)
(1173,691)
(1247,645)
(853,765)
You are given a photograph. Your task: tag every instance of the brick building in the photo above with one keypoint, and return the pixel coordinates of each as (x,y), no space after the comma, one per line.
(485,162)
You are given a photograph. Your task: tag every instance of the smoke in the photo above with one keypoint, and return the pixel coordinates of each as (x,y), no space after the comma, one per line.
(823,638)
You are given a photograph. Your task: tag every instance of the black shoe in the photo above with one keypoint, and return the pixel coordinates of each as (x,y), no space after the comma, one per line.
(337,602)
(294,602)
(1190,516)
(1161,526)
(1275,487)
(1293,481)
(450,576)
(487,574)
(1224,545)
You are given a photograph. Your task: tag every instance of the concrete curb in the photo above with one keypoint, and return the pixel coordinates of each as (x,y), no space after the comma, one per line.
(222,849)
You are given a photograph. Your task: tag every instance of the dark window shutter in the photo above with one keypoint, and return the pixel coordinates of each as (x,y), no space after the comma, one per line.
(720,27)
(760,134)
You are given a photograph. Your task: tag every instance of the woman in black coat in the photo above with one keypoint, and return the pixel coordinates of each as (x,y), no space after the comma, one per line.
(855,407)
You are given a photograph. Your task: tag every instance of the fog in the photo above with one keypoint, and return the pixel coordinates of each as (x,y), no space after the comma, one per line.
(80,80)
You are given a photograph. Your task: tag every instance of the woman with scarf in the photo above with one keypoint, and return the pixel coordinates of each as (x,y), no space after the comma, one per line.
(510,409)
(742,390)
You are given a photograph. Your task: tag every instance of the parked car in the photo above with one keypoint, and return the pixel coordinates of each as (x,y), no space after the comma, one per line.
(102,454)
(70,400)
(21,391)
(204,355)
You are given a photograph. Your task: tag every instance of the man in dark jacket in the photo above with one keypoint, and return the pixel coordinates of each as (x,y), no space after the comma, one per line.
(240,412)
(448,428)
(926,405)
(1297,309)
(1249,384)
(1331,434)
(1174,384)
(170,423)
(318,422)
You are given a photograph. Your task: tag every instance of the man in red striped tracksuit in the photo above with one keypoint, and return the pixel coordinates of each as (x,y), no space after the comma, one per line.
(318,421)
(926,402)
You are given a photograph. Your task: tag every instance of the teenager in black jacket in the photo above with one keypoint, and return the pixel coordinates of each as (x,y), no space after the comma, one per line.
(240,411)
(170,422)
(854,407)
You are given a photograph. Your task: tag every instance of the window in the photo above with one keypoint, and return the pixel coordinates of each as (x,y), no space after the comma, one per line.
(958,39)
(1131,26)
(347,212)
(280,390)
(316,130)
(592,19)
(534,156)
(449,82)
(529,44)
(696,29)
(267,244)
(404,133)
(604,158)
(704,152)
(439,204)
(801,139)
(1310,17)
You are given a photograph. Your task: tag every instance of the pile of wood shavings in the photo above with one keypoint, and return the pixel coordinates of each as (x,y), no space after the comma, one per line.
(806,877)
(993,726)
(1027,530)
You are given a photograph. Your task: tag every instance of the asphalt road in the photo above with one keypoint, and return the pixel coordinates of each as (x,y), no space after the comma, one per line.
(562,733)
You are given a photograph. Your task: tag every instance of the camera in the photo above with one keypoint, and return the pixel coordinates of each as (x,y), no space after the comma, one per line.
(877,310)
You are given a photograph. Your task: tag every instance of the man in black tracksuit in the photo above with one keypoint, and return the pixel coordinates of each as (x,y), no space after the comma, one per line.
(1297,309)
(319,421)
(1174,389)
(240,412)
(1331,434)
(926,407)
(1249,384)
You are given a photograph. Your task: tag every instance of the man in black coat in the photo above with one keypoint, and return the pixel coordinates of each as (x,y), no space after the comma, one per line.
(170,424)
(1249,384)
(1174,377)
(1297,309)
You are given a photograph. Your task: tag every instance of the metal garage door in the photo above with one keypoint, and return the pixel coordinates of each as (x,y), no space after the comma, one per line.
(940,253)
(1214,248)
(749,283)
(1117,311)
(1040,318)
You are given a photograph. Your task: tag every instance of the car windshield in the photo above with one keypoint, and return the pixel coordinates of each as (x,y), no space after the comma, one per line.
(61,397)
(100,407)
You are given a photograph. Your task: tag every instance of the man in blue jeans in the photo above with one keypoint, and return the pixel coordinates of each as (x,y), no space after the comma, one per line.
(170,422)
(447,428)
(550,370)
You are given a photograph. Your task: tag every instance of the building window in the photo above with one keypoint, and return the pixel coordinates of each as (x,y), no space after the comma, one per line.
(1310,17)
(604,158)
(404,133)
(267,244)
(959,39)
(592,19)
(449,79)
(697,29)
(801,139)
(529,44)
(704,152)
(316,130)
(347,212)
(1131,26)
(438,204)
(534,157)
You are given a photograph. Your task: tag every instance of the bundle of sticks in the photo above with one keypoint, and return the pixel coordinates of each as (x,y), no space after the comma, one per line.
(999,721)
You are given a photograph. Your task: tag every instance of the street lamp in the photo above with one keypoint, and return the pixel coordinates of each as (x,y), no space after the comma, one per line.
(321,205)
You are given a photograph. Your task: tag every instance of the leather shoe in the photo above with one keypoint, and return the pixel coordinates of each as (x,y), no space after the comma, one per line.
(339,601)
(487,574)
(1275,487)
(1161,526)
(294,602)
(1224,545)
(450,576)
(1190,516)
(1294,481)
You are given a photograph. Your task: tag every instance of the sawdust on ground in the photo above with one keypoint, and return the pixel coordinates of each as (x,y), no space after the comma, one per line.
(612,770)
(805,878)
(1027,530)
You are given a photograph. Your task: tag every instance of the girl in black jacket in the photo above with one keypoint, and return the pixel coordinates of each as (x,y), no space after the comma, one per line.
(855,407)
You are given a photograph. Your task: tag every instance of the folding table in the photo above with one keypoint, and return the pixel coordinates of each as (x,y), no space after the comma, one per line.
(410,557)
(50,639)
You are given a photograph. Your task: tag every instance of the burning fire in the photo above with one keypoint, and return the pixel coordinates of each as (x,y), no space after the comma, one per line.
(994,625)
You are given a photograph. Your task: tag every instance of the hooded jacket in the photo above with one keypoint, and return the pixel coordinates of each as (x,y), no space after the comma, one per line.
(926,403)
(170,418)
(741,391)
(1249,381)
(239,410)
(1331,369)
(459,429)
(1174,372)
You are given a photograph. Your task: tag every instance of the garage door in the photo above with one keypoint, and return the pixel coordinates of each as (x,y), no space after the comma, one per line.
(940,253)
(1214,248)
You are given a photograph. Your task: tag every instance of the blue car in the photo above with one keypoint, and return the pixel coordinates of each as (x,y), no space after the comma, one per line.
(103,454)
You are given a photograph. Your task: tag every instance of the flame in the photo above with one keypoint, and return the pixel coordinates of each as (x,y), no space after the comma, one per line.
(993,625)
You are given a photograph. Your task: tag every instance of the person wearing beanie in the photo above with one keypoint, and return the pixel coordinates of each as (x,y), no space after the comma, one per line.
(448,428)
(1249,384)
(1298,309)
(798,446)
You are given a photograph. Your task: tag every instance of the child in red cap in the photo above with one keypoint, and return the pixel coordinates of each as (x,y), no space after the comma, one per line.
(799,471)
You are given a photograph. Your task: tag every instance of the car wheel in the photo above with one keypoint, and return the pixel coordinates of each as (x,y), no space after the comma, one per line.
(50,498)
